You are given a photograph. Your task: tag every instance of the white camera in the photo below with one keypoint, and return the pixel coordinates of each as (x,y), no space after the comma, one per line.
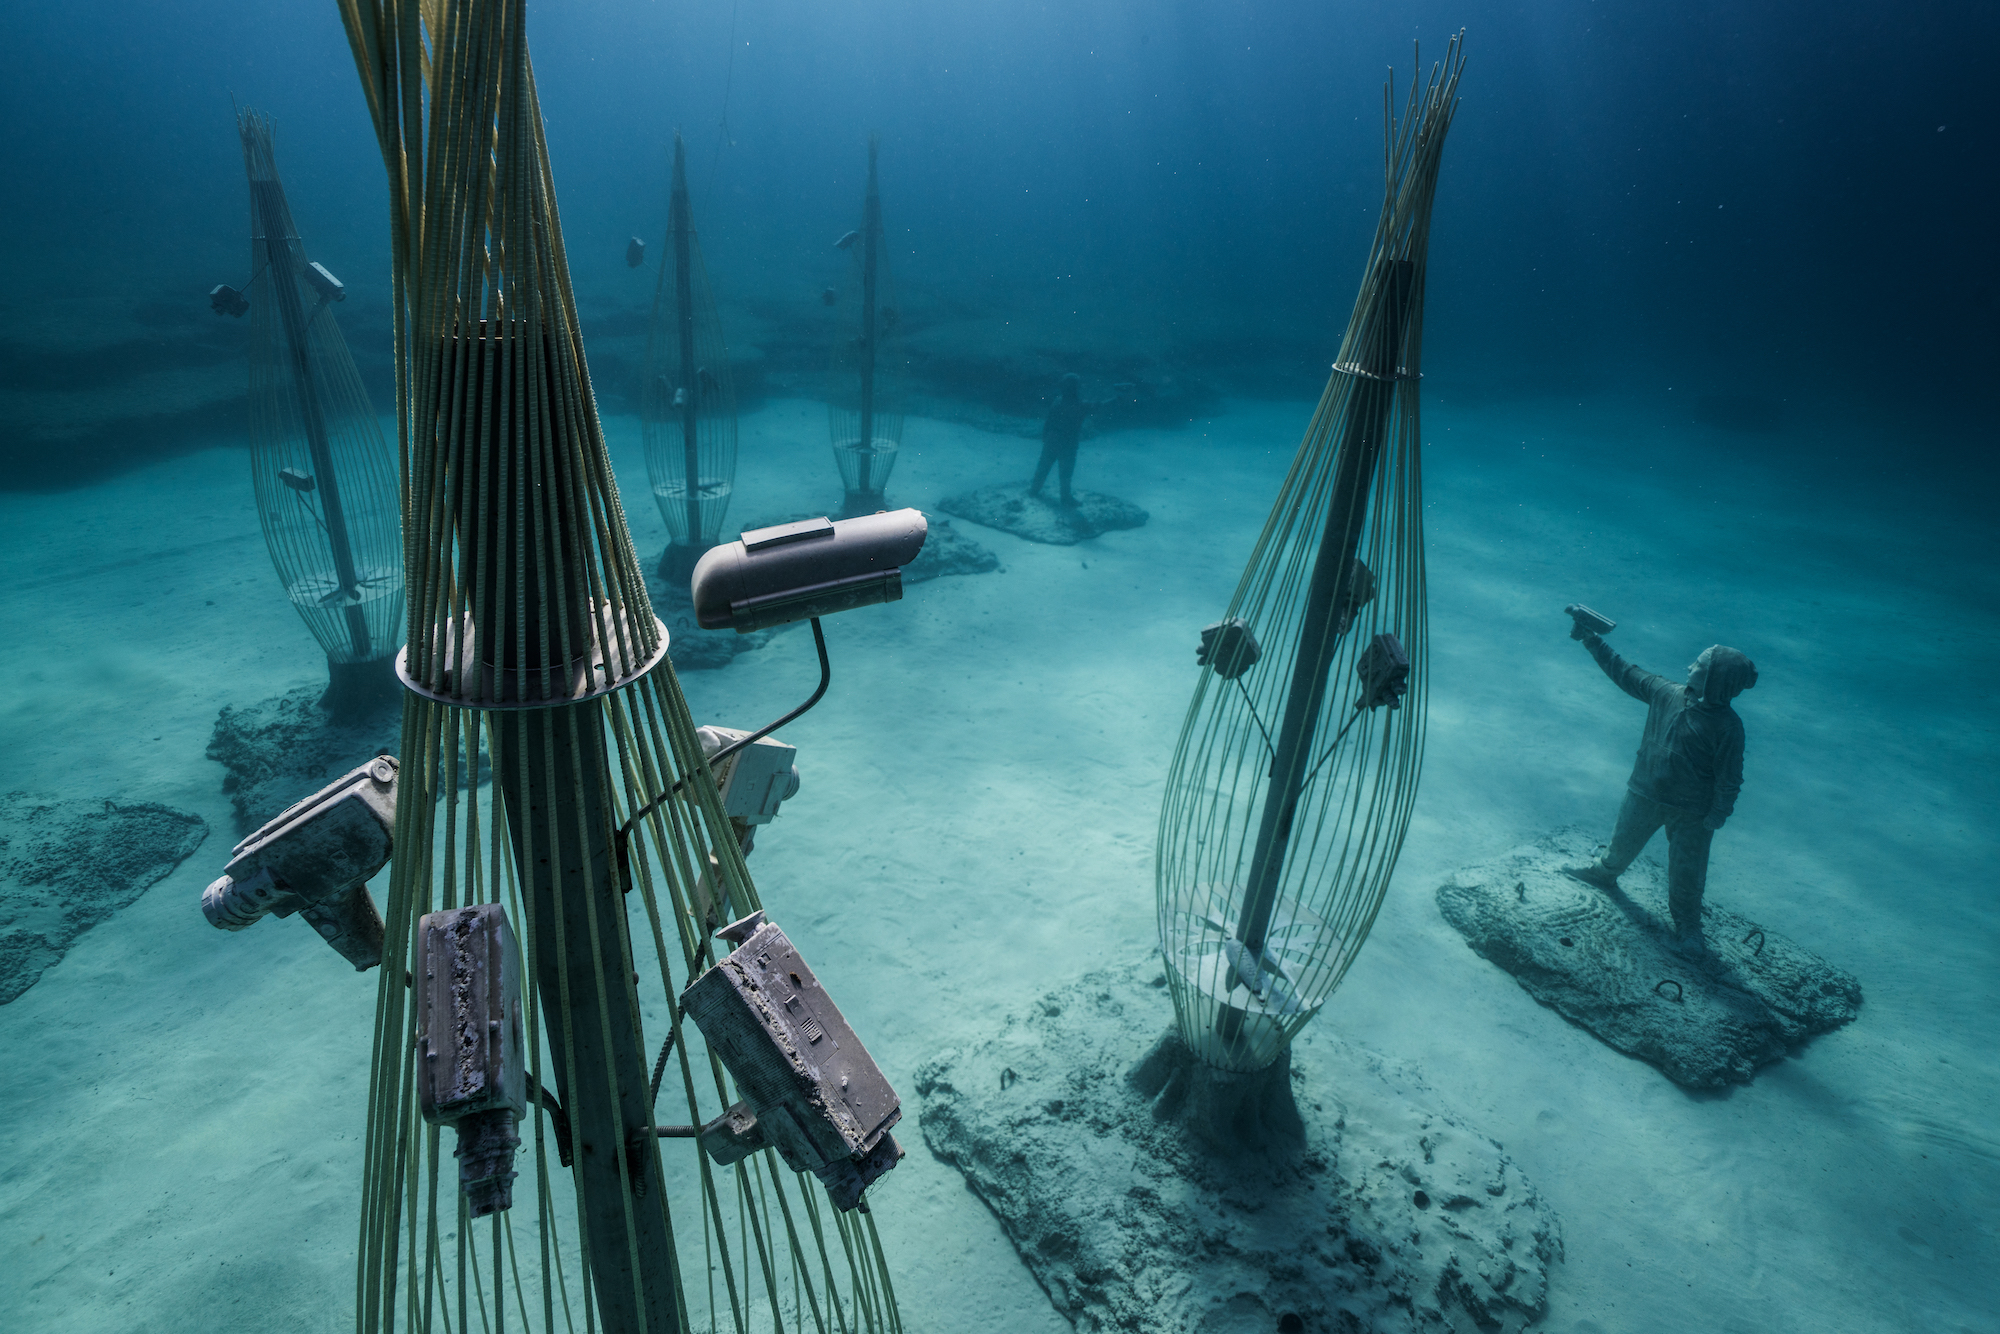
(755,780)
(316,858)
(797,571)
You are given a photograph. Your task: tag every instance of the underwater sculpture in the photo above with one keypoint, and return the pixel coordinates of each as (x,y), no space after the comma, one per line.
(1177,1183)
(1060,431)
(864,407)
(689,404)
(1081,515)
(534,926)
(324,477)
(1644,964)
(1686,775)
(1297,766)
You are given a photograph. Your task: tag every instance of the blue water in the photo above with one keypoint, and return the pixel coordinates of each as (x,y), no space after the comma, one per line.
(1710,342)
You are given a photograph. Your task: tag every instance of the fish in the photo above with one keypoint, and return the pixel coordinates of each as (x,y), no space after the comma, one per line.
(846,241)
(635,253)
(829,296)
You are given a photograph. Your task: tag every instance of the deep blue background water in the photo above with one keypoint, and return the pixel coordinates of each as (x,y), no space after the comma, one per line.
(1775,213)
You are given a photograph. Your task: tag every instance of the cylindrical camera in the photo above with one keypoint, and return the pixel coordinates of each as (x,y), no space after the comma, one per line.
(796,571)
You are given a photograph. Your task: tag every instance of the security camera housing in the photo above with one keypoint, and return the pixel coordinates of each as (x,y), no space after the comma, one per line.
(796,571)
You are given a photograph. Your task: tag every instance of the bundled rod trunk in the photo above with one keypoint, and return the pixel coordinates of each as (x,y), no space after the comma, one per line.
(555,773)
(274,216)
(1332,582)
(517,548)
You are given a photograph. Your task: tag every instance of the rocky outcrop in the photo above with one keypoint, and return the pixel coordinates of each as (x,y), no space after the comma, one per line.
(1388,1214)
(65,866)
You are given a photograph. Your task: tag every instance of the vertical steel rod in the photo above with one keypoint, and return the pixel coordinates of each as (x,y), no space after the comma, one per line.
(1369,417)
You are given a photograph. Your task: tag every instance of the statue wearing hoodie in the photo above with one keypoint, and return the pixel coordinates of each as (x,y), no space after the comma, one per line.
(1686,777)
(1059,436)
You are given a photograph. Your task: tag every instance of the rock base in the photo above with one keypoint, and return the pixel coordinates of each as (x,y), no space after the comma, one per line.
(1387,1214)
(1037,519)
(65,866)
(289,746)
(1603,962)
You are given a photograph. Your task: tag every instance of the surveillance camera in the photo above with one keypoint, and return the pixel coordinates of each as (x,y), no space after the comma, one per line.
(323,282)
(316,858)
(1583,621)
(810,1090)
(756,779)
(1229,647)
(226,300)
(474,1074)
(796,571)
(1384,669)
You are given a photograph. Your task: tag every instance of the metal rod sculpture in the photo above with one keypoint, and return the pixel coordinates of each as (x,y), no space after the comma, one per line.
(1297,766)
(534,656)
(324,477)
(689,403)
(863,411)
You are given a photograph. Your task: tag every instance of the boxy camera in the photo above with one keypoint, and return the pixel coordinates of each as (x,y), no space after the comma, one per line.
(474,1072)
(810,1090)
(798,571)
(316,858)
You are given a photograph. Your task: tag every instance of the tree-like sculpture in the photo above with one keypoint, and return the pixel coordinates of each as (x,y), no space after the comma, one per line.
(534,656)
(324,477)
(1297,766)
(689,403)
(864,405)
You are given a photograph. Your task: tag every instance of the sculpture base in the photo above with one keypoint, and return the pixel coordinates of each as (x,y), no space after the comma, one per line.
(1229,1111)
(854,504)
(1039,519)
(286,747)
(677,564)
(1374,1210)
(1603,961)
(360,691)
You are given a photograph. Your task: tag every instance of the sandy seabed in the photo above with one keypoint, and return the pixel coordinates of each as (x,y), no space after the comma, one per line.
(181,1121)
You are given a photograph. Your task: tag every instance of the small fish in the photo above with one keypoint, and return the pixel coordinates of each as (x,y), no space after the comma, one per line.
(846,241)
(829,296)
(635,253)
(680,398)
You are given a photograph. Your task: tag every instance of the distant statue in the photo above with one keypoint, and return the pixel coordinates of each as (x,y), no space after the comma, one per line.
(1686,777)
(1059,436)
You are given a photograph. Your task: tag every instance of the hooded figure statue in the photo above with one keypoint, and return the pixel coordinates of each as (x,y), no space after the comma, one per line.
(1686,777)
(1059,436)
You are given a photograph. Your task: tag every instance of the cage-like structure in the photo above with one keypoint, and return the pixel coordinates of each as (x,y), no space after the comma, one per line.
(688,406)
(1297,766)
(324,476)
(865,396)
(550,767)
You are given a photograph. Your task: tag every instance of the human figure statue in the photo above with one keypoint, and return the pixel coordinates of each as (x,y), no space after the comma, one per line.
(1059,436)
(1686,777)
